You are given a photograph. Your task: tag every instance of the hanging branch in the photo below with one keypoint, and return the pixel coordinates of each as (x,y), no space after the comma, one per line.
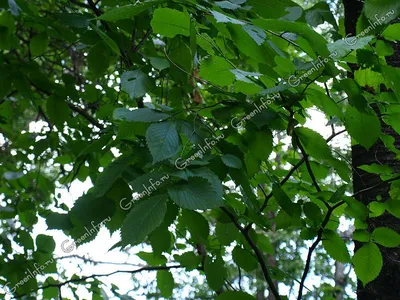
(257,252)
(84,278)
(322,228)
(308,165)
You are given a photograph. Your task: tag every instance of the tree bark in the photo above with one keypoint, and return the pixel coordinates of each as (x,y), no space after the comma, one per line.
(385,286)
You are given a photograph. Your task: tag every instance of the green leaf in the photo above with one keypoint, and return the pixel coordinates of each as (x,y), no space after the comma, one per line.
(127,11)
(58,221)
(355,208)
(197,194)
(361,235)
(265,244)
(221,18)
(392,76)
(367,77)
(284,201)
(318,42)
(235,295)
(314,144)
(338,194)
(383,11)
(148,182)
(38,44)
(170,22)
(74,20)
(226,233)
(367,262)
(189,260)
(45,243)
(98,59)
(196,224)
(136,83)
(377,169)
(215,272)
(161,240)
(257,34)
(324,103)
(210,176)
(343,47)
(89,211)
(152,259)
(110,174)
(244,259)
(139,115)
(145,216)
(260,144)
(232,161)
(159,63)
(320,13)
(217,70)
(227,5)
(162,140)
(14,8)
(165,283)
(110,42)
(364,128)
(57,110)
(7,29)
(335,246)
(376,209)
(313,212)
(386,237)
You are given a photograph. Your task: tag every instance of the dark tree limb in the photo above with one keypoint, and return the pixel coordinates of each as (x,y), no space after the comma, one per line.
(322,228)
(84,278)
(314,245)
(308,165)
(257,252)
(295,167)
(86,115)
(146,35)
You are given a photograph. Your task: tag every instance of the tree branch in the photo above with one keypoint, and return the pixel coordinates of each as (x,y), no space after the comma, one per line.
(314,245)
(89,260)
(75,108)
(298,165)
(305,157)
(86,115)
(322,228)
(257,252)
(84,278)
(136,49)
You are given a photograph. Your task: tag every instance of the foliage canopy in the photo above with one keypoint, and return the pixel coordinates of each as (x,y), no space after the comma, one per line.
(189,119)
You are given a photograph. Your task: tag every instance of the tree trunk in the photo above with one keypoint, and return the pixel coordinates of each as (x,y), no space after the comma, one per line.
(385,286)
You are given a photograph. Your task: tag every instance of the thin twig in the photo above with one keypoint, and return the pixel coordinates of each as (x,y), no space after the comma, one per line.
(85,114)
(147,34)
(314,245)
(308,165)
(322,228)
(84,278)
(257,252)
(88,260)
